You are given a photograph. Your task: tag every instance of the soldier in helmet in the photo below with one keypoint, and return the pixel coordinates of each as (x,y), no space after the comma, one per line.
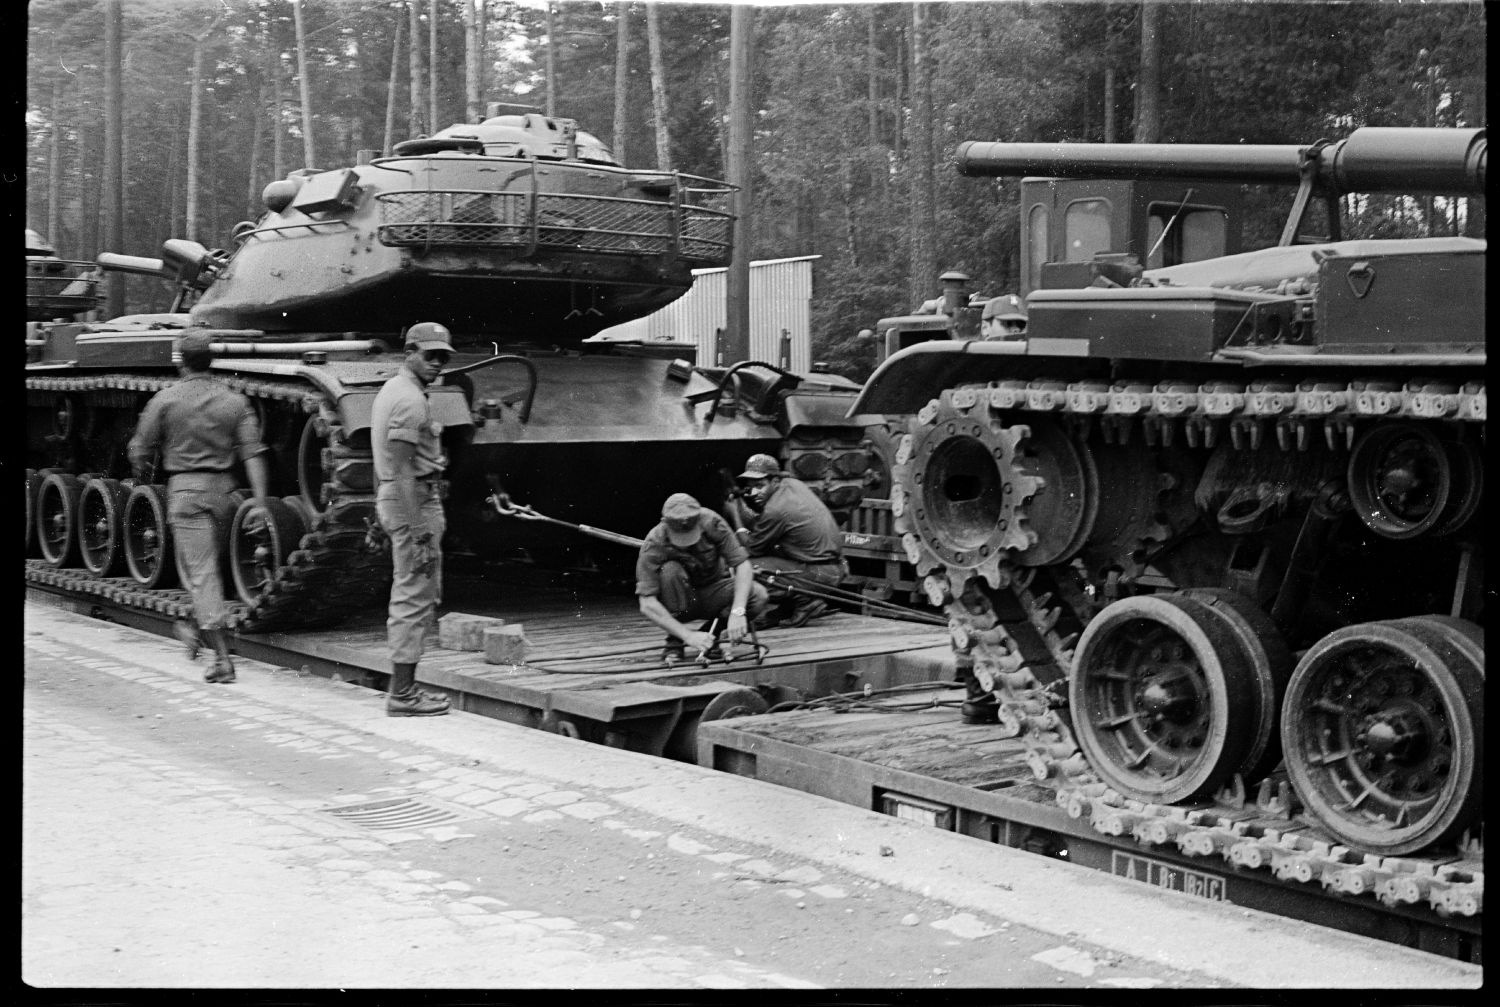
(791,532)
(409,463)
(1003,318)
(201,427)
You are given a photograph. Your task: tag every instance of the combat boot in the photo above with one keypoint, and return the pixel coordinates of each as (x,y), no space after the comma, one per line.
(222,673)
(416,703)
(673,652)
(806,611)
(187,634)
(406,700)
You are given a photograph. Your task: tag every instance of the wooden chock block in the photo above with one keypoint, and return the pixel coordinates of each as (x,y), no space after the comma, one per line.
(504,645)
(460,631)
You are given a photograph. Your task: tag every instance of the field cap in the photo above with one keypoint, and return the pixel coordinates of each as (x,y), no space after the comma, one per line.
(1006,307)
(680,514)
(760,467)
(429,336)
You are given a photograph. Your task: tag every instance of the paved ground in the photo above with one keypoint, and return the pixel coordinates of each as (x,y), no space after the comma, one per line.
(283,833)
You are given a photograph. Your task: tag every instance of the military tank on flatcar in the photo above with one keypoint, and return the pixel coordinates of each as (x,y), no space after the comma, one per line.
(1210,528)
(522,235)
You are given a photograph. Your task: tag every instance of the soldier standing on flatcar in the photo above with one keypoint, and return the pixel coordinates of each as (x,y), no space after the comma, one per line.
(409,464)
(201,427)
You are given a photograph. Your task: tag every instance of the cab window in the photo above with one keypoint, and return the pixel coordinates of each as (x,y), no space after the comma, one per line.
(1086,229)
(1199,232)
(1037,235)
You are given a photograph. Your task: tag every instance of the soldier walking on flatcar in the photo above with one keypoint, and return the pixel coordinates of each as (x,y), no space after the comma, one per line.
(409,464)
(201,427)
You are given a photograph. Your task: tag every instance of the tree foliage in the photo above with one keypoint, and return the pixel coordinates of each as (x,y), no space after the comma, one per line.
(835,109)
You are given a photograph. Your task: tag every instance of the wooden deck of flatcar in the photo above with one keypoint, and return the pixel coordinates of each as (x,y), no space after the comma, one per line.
(593,665)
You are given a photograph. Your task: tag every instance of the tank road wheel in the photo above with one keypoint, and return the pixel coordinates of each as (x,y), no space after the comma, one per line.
(1383,732)
(1158,694)
(310,462)
(57,518)
(260,541)
(1066,503)
(1400,476)
(149,554)
(101,526)
(33,481)
(1467,466)
(1270,662)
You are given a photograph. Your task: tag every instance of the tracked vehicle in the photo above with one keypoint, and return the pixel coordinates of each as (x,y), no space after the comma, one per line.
(524,237)
(1206,537)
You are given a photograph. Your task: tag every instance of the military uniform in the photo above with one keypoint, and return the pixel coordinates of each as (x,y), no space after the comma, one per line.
(202,428)
(695,581)
(403,413)
(795,533)
(408,453)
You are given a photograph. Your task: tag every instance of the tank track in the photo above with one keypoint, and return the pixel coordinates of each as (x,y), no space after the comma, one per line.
(337,568)
(1023,662)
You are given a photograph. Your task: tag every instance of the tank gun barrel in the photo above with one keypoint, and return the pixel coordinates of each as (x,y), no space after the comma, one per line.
(1371,159)
(139,264)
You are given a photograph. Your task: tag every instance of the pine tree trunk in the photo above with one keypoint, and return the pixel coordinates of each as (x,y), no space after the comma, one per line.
(195,115)
(432,66)
(390,94)
(414,65)
(309,158)
(622,76)
(474,110)
(54,169)
(257,139)
(114,186)
(356,114)
(658,90)
(551,61)
(872,90)
(1148,85)
(736,343)
(278,135)
(923,213)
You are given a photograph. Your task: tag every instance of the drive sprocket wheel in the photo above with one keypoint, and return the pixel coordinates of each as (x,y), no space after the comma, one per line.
(960,488)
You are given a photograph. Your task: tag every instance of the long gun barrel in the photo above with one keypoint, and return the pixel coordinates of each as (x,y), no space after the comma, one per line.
(1372,159)
(139,264)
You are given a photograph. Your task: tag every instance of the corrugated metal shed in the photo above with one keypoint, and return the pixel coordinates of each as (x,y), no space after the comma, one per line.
(780,300)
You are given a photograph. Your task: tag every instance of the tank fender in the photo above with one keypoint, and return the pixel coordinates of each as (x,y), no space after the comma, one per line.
(819,409)
(910,378)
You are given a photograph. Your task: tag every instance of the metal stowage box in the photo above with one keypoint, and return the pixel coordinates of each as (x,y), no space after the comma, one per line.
(1402,301)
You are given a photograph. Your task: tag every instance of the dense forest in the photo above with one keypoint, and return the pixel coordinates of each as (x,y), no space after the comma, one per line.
(857,108)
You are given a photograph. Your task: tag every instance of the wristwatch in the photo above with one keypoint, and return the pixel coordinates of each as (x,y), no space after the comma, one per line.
(736,611)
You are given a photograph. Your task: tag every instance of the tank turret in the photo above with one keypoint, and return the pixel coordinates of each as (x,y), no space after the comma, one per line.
(517,228)
(57,288)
